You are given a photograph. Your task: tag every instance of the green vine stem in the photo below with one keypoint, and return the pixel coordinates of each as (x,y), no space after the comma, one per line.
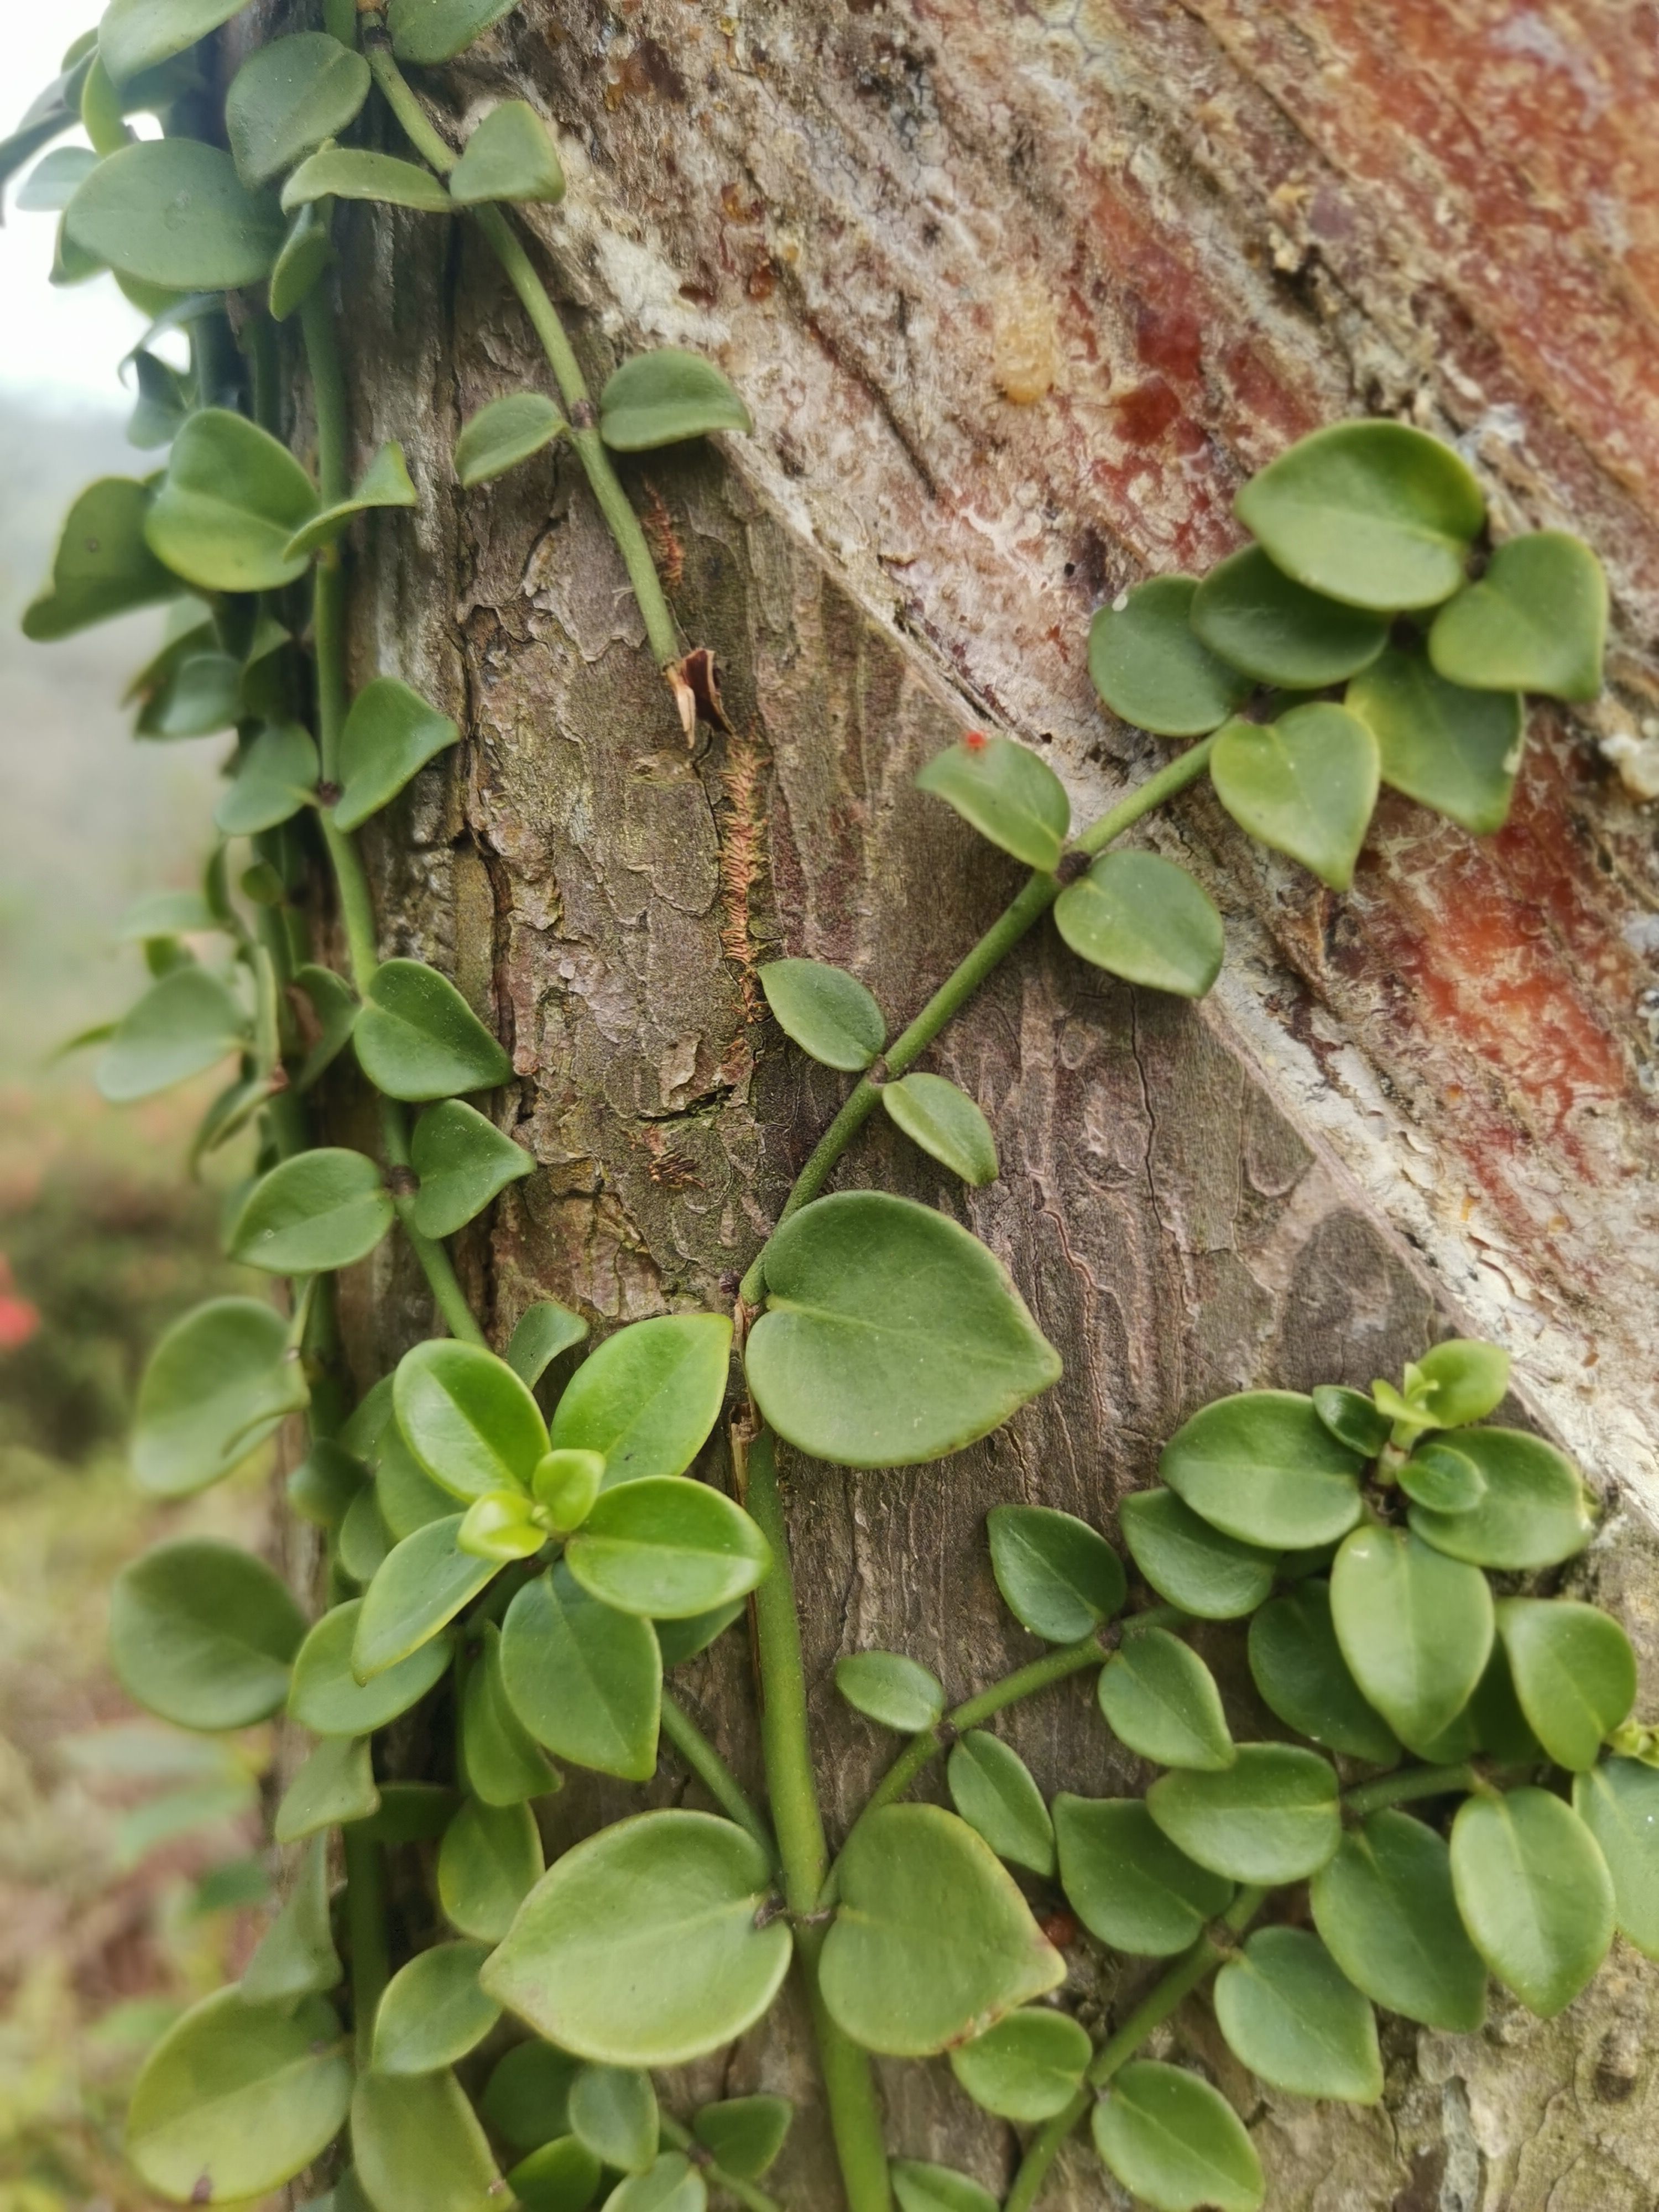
(715,1776)
(752,2199)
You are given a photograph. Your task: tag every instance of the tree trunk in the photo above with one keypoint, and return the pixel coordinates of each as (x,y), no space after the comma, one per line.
(1019,295)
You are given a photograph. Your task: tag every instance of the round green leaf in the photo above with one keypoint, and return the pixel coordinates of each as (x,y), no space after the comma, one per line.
(672,2185)
(1454,749)
(502,1762)
(1618,1803)
(667,1548)
(335,1784)
(348,172)
(318,1210)
(1534,1893)
(1145,919)
(507,431)
(1375,514)
(659,398)
(566,1487)
(433,2012)
(888,1688)
(417,1038)
(527,2100)
(1414,1627)
(408,1497)
(991,1787)
(203,1633)
(288,97)
(1289,2014)
(584,1679)
(463,1161)
(236,2099)
(1189,1564)
(1258,620)
(1128,1884)
(216,1385)
(1305,785)
(417,1588)
(919,2186)
(1534,1513)
(1385,1908)
(1161,1700)
(1574,1674)
(640,1947)
(1537,621)
(826,1012)
(1152,669)
(183,1024)
(103,565)
(1297,1665)
(1442,1477)
(946,1124)
(490,1861)
(1176,2143)
(1262,1467)
(431,31)
(467,1417)
(326,1697)
(932,1942)
(1059,1578)
(173,212)
(744,2134)
(510,157)
(1028,2067)
(419,2145)
(232,497)
(563,2176)
(1463,1380)
(501,1525)
(613,2110)
(890,1335)
(390,734)
(647,1400)
(1270,1817)
(1006,792)
(541,1334)
(296,1957)
(135,35)
(1352,1417)
(276,776)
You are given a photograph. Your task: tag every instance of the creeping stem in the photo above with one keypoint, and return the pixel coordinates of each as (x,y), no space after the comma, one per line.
(712,1771)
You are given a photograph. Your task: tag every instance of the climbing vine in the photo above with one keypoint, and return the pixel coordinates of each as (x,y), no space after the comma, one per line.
(546,1558)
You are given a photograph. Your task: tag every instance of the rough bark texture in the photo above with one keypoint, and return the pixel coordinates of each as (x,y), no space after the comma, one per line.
(1019,294)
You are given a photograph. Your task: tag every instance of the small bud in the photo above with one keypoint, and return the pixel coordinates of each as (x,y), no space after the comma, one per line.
(498,1525)
(565,1484)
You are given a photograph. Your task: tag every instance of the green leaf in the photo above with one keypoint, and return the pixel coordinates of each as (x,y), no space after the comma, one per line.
(1534,1893)
(217,1384)
(566,1486)
(390,734)
(288,97)
(1270,1817)
(364,1542)
(431,31)
(232,497)
(183,1026)
(674,2184)
(1059,1578)
(541,1334)
(1374,513)
(103,565)
(1495,1713)
(932,1942)
(1454,749)
(1297,1665)
(135,35)
(326,1697)
(418,1589)
(419,2145)
(1174,2143)
(164,399)
(236,2099)
(1128,1884)
(1442,1477)
(276,776)
(679,1640)
(1463,1380)
(335,1785)
(203,1633)
(1028,2067)
(408,1497)
(467,1417)
(385,482)
(1414,1627)
(525,2100)
(888,1688)
(640,1947)
(433,2011)
(174,213)
(318,1210)
(1161,1700)
(334,1016)
(1305,785)
(416,1037)
(1257,620)
(503,1763)
(1152,669)
(1534,1513)
(890,1335)
(305,251)
(1291,2015)
(1007,794)
(613,2111)
(1574,1674)
(510,155)
(946,1124)
(1536,621)
(563,2176)
(1262,1467)
(50,184)
(647,1398)
(1145,919)
(1385,1908)
(296,1957)
(667,1549)
(347,172)
(1618,1803)
(1189,1564)
(919,2186)
(500,1526)
(745,2135)
(659,399)
(407,1813)
(167,914)
(507,431)
(585,1679)
(991,1787)
(490,1861)
(202,695)
(463,1161)
(826,1012)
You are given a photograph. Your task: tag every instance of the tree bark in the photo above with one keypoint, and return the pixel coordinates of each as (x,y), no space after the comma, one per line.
(1019,295)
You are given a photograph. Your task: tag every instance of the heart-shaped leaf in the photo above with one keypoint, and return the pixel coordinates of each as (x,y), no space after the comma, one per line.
(1385,1908)
(826,1012)
(1291,2015)
(991,1787)
(296,1957)
(542,1332)
(1456,750)
(183,1026)
(1176,2143)
(1129,1885)
(1059,1578)
(920,2186)
(217,1384)
(232,498)
(1161,1700)
(1305,785)
(174,213)
(1006,792)
(946,1124)
(1535,1512)
(527,2101)
(320,1210)
(1374,513)
(502,1762)
(613,2111)
(640,1947)
(103,565)
(348,172)
(418,2146)
(1574,1674)
(433,2011)
(1414,1627)
(1442,1477)
(1534,1893)
(1028,2067)
(1258,620)
(326,1697)
(932,1942)
(1297,1665)
(417,1038)
(463,1161)
(667,1549)
(659,399)
(417,1588)
(1270,1817)
(890,1689)
(467,1417)
(490,1861)
(584,1679)
(1189,1564)
(745,2135)
(1537,621)
(390,734)
(276,776)
(647,1400)
(1618,1803)
(1462,1380)
(510,157)
(288,97)
(1145,919)
(335,1784)
(891,1334)
(1150,667)
(385,482)
(431,31)
(563,2176)
(135,35)
(1262,1467)
(203,1634)
(507,431)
